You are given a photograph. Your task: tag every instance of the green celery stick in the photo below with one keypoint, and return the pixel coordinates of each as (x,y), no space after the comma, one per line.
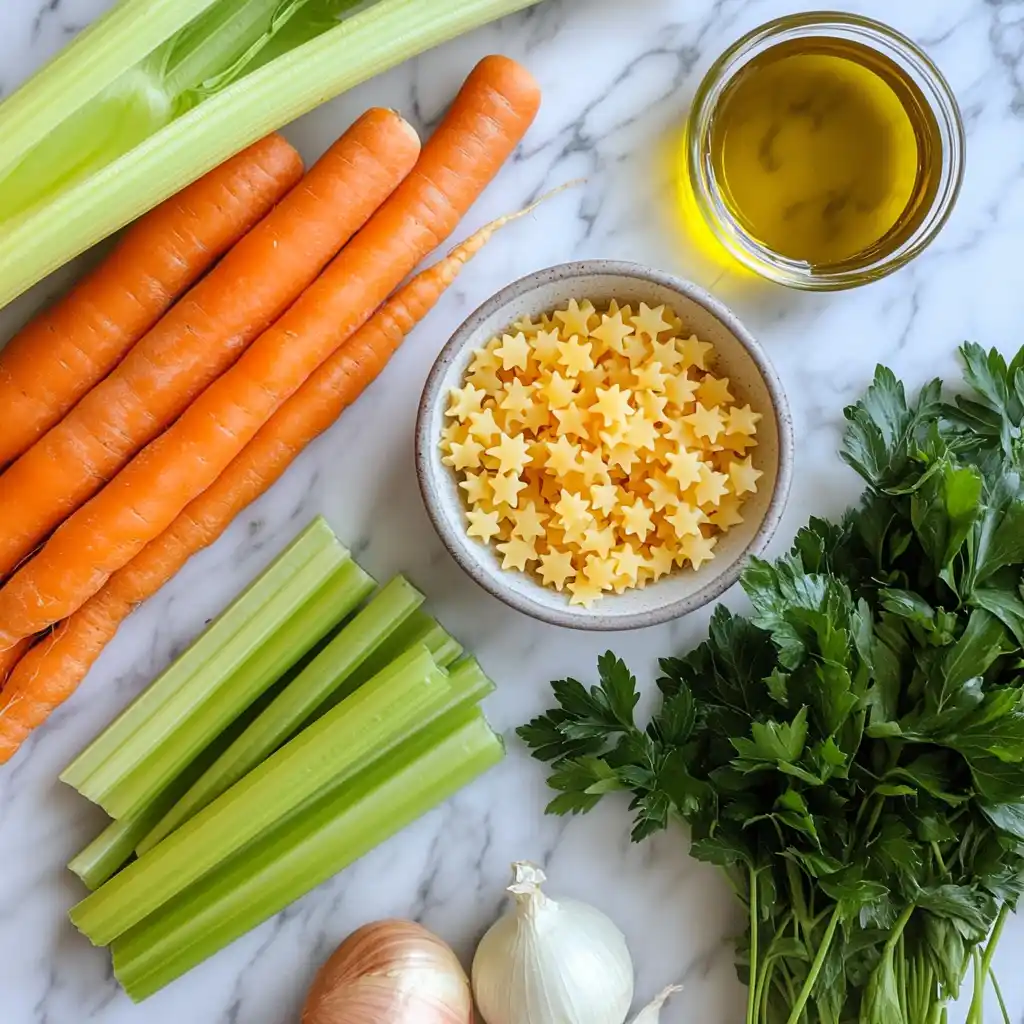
(191,732)
(347,736)
(285,863)
(418,628)
(115,845)
(324,677)
(241,616)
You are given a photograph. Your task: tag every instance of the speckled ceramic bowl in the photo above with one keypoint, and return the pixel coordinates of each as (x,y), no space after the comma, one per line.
(739,357)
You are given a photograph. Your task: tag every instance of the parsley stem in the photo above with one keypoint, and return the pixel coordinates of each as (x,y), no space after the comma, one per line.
(999,997)
(819,962)
(754,970)
(983,967)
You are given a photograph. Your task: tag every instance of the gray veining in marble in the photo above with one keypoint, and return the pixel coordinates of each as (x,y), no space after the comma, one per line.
(617,77)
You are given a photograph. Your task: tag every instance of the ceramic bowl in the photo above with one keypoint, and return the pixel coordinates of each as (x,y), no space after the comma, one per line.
(738,356)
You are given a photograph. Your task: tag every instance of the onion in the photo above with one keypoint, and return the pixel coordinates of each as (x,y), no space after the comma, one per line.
(390,972)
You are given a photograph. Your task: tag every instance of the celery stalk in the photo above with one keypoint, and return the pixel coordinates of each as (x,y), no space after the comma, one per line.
(186,734)
(290,860)
(324,677)
(98,56)
(419,628)
(46,235)
(242,618)
(343,738)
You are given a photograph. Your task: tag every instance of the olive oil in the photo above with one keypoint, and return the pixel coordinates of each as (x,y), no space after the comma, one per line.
(825,152)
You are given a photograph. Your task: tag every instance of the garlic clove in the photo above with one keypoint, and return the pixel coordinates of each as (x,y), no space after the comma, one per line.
(651,1013)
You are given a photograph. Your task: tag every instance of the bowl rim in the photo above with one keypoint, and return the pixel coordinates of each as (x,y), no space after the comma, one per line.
(582,618)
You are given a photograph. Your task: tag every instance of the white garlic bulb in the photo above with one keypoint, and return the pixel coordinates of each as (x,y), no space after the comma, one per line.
(551,962)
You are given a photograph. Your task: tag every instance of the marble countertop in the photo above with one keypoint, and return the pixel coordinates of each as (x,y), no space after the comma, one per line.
(617,78)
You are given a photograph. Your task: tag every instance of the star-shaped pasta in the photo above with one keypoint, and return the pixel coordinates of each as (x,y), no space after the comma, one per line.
(640,433)
(593,467)
(514,351)
(738,443)
(599,572)
(661,493)
(651,322)
(574,511)
(666,354)
(635,349)
(711,487)
(714,391)
(464,401)
(583,592)
(652,405)
(743,476)
(517,399)
(636,519)
(477,487)
(517,553)
(686,520)
(649,377)
(695,352)
(464,455)
(604,497)
(575,318)
(512,454)
(660,562)
(600,541)
(482,525)
(612,332)
(624,456)
(697,550)
(572,420)
(556,569)
(545,347)
(706,422)
(742,420)
(727,514)
(563,457)
(558,390)
(613,405)
(680,390)
(574,356)
(628,562)
(684,466)
(506,488)
(483,426)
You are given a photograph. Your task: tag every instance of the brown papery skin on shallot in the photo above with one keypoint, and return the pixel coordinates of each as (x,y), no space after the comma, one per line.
(390,972)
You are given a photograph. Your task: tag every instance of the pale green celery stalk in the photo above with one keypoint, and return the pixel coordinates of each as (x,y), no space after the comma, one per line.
(98,56)
(419,628)
(236,622)
(332,746)
(299,700)
(334,831)
(201,723)
(115,845)
(234,658)
(365,44)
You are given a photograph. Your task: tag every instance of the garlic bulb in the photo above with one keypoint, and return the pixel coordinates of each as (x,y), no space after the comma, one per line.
(390,972)
(548,962)
(651,1013)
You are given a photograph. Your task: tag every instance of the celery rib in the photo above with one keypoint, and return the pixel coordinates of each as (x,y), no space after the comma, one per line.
(252,602)
(322,678)
(44,237)
(305,850)
(186,735)
(344,737)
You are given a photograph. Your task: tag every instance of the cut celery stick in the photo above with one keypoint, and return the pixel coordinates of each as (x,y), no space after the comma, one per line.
(115,845)
(347,736)
(240,617)
(290,860)
(324,677)
(419,628)
(330,605)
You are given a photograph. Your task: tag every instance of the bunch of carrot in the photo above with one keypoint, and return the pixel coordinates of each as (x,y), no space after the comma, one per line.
(138,417)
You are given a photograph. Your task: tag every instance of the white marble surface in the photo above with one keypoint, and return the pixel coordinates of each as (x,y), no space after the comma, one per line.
(617,76)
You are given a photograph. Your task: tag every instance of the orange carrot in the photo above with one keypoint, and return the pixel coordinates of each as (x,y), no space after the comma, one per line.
(50,673)
(8,660)
(63,352)
(490,115)
(204,333)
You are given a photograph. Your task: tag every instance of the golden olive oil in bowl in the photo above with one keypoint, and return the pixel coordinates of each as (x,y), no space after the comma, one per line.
(824,150)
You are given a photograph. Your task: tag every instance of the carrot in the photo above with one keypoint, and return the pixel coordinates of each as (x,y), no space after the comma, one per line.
(8,660)
(51,672)
(490,115)
(52,362)
(204,333)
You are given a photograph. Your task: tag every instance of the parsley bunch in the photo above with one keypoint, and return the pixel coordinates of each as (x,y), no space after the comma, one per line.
(852,753)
